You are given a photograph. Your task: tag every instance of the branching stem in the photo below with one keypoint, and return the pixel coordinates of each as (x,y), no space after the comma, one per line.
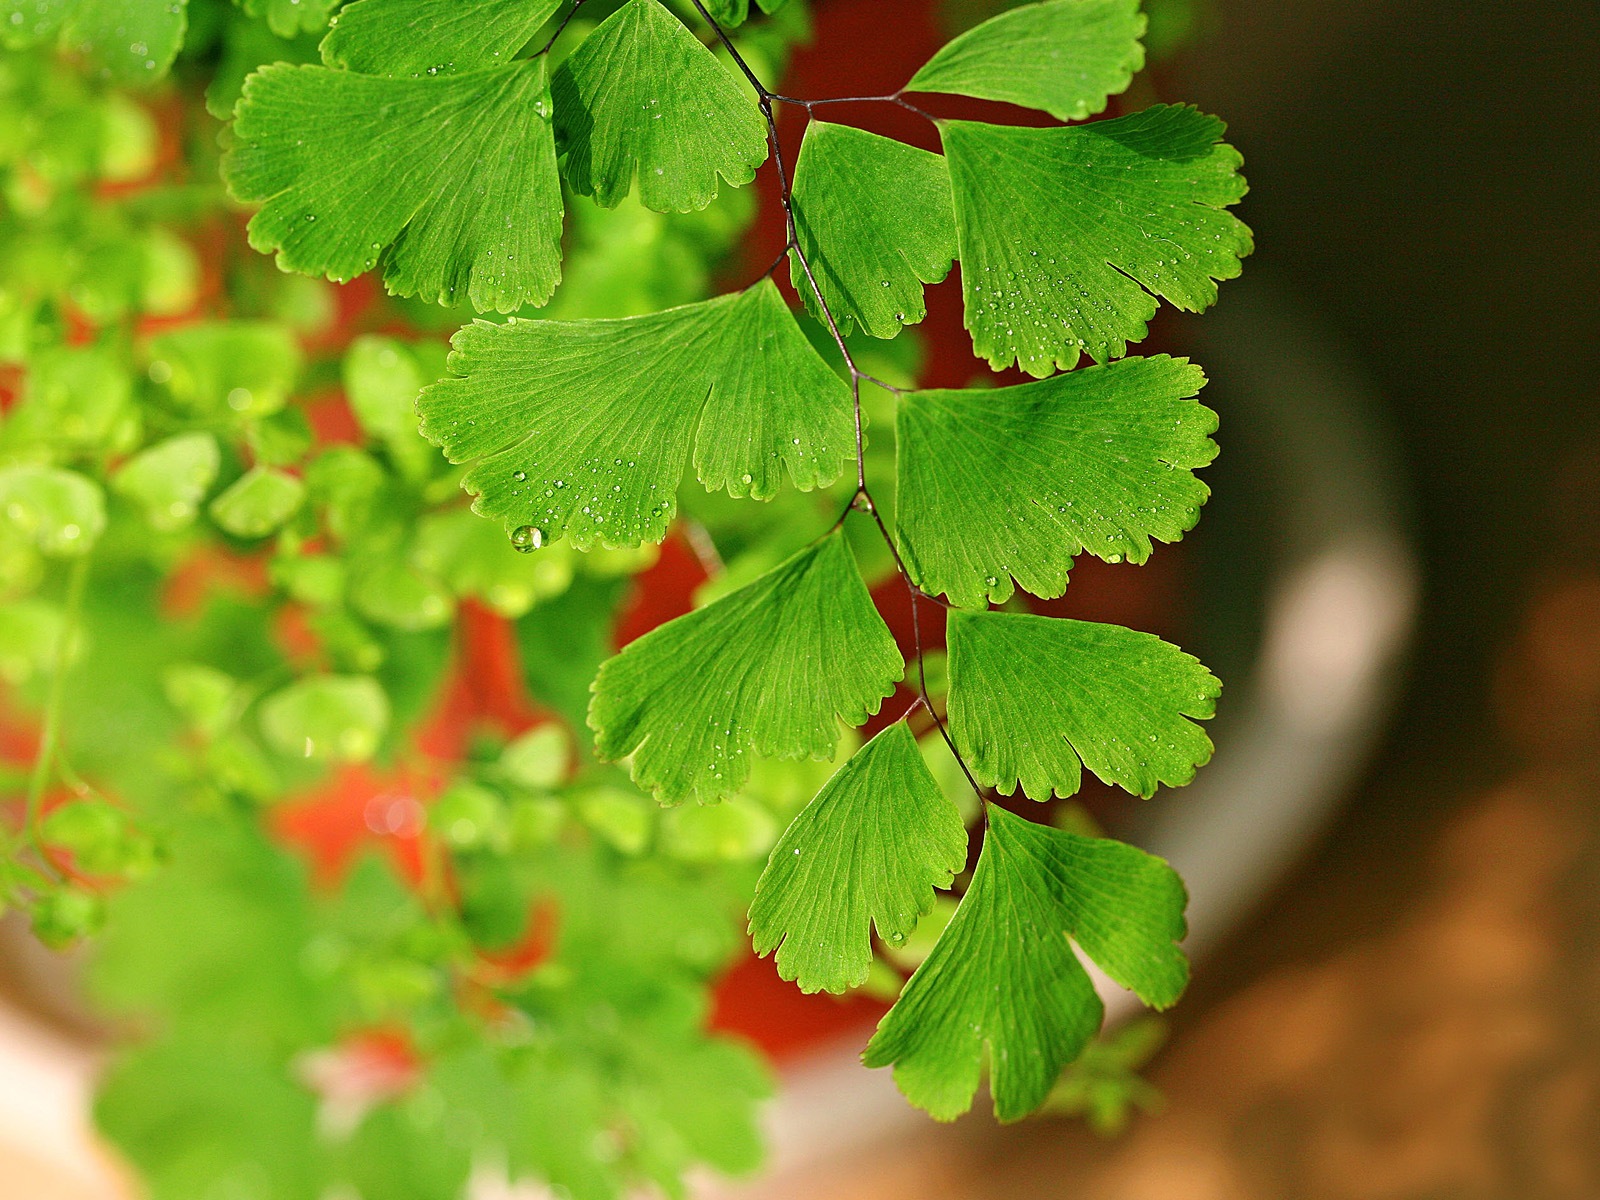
(862,498)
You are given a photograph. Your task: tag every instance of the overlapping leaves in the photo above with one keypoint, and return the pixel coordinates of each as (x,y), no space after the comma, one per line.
(1003,977)
(643,97)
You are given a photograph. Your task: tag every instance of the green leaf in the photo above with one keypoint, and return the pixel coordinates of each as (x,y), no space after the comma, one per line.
(582,427)
(170,479)
(1068,235)
(867,852)
(239,368)
(431,37)
(1033,697)
(30,632)
(1066,57)
(1003,976)
(453,179)
(339,717)
(130,42)
(474,558)
(61,512)
(539,759)
(767,668)
(730,13)
(398,596)
(643,95)
(875,220)
(75,401)
(288,18)
(1015,481)
(258,502)
(382,379)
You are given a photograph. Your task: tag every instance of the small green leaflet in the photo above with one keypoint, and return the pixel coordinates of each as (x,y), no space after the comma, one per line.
(61,512)
(1068,235)
(771,667)
(875,221)
(1032,698)
(735,12)
(582,427)
(1066,57)
(1015,481)
(129,42)
(642,95)
(1003,974)
(454,175)
(289,18)
(868,851)
(339,717)
(258,502)
(431,37)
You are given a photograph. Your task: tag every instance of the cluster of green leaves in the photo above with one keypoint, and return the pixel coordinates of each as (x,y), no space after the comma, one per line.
(219,616)
(472,154)
(1068,237)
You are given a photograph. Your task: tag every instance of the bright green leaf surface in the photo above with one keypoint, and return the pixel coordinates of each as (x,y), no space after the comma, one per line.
(643,96)
(1015,481)
(258,502)
(582,427)
(1003,976)
(61,512)
(1065,56)
(431,37)
(169,479)
(1068,235)
(867,852)
(770,668)
(874,218)
(339,717)
(1033,697)
(452,179)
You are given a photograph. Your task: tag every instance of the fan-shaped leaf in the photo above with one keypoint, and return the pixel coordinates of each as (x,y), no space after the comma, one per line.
(582,427)
(771,667)
(1003,974)
(642,96)
(1032,698)
(431,37)
(866,852)
(1015,481)
(875,221)
(1068,235)
(455,176)
(1065,56)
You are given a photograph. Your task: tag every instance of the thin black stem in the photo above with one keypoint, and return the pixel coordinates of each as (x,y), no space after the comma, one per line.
(560,29)
(862,498)
(893,98)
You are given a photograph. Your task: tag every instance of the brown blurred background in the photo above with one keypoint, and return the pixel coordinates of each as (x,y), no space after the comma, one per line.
(1415,1014)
